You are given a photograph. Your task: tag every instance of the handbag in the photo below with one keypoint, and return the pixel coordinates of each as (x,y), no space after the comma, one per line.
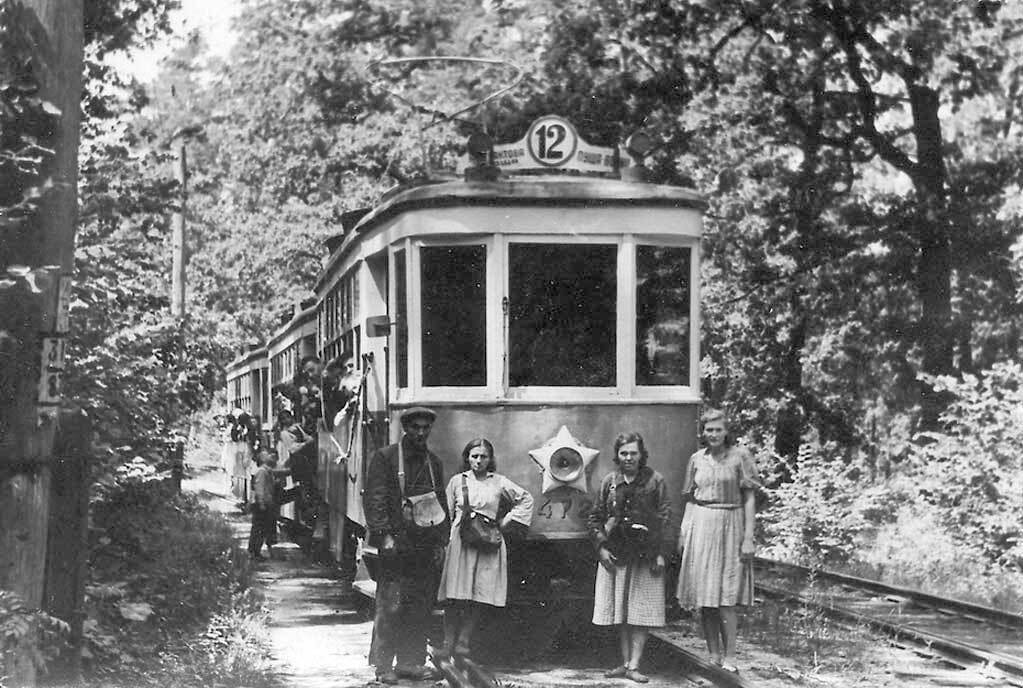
(422,510)
(477,530)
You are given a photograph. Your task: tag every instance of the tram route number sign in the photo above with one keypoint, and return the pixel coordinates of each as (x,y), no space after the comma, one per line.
(553,143)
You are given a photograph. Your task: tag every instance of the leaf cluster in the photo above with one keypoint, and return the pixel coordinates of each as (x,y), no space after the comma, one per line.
(162,567)
(972,469)
(27,125)
(28,633)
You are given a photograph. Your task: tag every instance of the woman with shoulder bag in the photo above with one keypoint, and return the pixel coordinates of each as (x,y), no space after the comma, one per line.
(629,526)
(476,561)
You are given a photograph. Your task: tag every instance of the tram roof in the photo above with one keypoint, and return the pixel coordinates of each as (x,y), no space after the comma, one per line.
(522,191)
(254,353)
(301,316)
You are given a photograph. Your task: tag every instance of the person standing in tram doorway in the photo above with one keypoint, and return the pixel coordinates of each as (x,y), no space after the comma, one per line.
(407,520)
(629,527)
(716,538)
(476,573)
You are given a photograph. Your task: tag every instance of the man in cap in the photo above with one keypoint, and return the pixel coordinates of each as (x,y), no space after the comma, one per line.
(407,520)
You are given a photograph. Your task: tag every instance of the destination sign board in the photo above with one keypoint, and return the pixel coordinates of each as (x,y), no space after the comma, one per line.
(552,143)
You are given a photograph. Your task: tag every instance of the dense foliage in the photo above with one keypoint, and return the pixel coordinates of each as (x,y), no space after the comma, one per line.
(168,599)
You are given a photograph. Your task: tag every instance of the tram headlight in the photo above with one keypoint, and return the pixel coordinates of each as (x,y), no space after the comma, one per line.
(566,464)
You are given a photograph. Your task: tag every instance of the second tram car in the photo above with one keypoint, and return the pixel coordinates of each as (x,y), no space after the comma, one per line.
(547,301)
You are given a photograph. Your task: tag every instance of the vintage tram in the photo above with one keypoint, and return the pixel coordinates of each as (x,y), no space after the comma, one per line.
(543,310)
(547,299)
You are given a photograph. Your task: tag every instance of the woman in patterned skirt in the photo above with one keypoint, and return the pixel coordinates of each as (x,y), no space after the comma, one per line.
(471,577)
(628,526)
(716,538)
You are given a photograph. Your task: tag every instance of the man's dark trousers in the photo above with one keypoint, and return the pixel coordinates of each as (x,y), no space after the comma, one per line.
(406,594)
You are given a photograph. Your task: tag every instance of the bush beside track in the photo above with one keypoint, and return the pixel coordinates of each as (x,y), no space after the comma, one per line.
(169,600)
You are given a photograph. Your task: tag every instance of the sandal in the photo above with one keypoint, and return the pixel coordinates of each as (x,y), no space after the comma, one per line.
(635,675)
(617,672)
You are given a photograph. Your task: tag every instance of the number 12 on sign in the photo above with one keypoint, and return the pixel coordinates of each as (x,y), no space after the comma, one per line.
(552,141)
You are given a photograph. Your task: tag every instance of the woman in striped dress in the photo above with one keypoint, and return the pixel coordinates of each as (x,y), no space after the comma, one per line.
(629,527)
(716,538)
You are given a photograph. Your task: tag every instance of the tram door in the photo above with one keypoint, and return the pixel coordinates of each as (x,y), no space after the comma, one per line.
(370,429)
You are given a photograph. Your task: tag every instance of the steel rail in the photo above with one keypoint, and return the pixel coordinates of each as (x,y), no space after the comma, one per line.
(969,609)
(957,652)
(701,667)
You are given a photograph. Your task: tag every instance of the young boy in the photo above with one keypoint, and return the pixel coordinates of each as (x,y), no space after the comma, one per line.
(263,509)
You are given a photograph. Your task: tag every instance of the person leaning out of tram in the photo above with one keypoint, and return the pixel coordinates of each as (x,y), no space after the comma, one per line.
(475,573)
(716,537)
(629,527)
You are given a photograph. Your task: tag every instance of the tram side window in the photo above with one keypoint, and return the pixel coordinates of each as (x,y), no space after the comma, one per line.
(454,316)
(663,320)
(562,315)
(401,316)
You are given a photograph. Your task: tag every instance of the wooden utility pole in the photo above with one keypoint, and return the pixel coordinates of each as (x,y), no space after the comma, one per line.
(33,314)
(178,239)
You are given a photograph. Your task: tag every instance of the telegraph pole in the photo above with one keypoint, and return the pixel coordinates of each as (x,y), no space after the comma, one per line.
(179,244)
(35,281)
(178,239)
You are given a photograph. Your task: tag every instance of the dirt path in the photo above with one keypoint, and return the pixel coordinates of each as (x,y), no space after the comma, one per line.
(318,638)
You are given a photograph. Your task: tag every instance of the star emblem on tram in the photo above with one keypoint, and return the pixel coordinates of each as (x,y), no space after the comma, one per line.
(563,460)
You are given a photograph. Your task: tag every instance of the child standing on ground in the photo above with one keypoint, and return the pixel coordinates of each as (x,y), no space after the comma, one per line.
(263,508)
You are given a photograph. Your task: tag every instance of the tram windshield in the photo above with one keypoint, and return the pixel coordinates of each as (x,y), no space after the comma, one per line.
(524,317)
(562,315)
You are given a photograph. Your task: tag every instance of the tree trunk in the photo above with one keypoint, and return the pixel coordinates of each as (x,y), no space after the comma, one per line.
(805,199)
(934,274)
(29,320)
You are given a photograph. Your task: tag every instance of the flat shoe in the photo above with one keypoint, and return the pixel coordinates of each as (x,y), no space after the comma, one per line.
(634,675)
(419,673)
(730,668)
(617,672)
(388,677)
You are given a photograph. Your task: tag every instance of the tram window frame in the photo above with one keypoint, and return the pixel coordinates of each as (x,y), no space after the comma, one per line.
(552,392)
(443,350)
(341,316)
(646,391)
(400,305)
(624,389)
(415,389)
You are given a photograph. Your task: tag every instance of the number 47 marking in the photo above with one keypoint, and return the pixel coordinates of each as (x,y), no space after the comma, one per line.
(547,510)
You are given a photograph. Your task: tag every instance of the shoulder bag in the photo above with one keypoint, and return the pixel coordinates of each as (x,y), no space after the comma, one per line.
(423,510)
(478,531)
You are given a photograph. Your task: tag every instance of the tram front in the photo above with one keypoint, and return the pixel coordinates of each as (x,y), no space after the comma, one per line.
(547,311)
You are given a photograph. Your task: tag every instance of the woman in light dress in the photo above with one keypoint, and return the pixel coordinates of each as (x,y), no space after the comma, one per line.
(716,538)
(472,578)
(629,527)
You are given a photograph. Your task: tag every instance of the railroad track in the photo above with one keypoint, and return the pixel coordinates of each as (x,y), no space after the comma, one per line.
(972,637)
(697,672)
(699,667)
